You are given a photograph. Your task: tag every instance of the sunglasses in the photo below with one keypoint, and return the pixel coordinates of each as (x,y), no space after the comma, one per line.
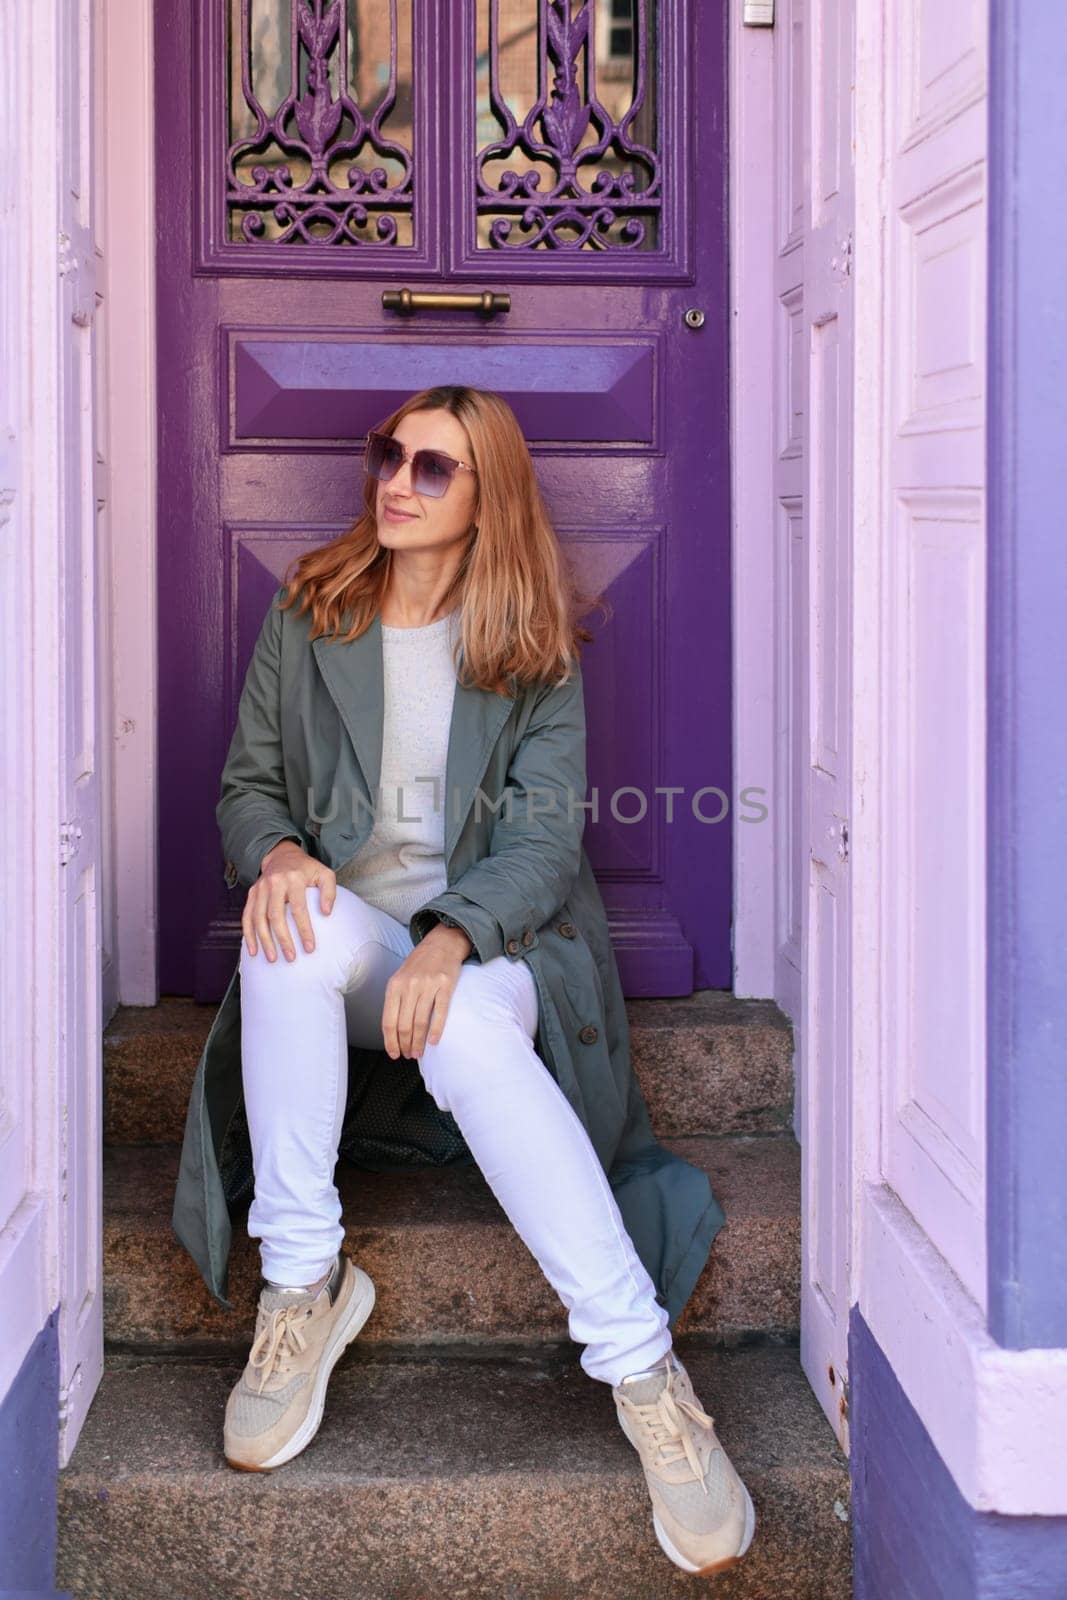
(431,470)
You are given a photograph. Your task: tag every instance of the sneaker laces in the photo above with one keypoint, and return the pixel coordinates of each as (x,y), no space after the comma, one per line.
(278,1341)
(664,1421)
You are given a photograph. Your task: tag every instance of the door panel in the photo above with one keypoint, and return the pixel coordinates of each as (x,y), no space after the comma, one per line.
(932,1147)
(276,354)
(815,43)
(315,388)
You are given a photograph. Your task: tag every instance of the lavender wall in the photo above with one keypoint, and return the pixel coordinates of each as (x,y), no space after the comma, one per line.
(1027,671)
(29,1451)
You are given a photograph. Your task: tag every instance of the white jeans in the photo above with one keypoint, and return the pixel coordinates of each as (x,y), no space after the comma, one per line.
(296,1020)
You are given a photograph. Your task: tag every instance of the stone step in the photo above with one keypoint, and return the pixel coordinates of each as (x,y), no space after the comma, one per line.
(708,1063)
(463,1474)
(446,1262)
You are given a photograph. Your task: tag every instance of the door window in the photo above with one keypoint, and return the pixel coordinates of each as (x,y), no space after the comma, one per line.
(320,145)
(352,134)
(566,126)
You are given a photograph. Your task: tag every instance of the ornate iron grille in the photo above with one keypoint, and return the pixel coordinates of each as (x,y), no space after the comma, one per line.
(320,147)
(567,129)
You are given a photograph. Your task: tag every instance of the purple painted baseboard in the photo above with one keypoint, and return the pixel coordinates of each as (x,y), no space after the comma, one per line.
(29,1449)
(915,1537)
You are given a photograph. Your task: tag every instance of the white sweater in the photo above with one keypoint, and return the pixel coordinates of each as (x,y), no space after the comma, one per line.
(401,864)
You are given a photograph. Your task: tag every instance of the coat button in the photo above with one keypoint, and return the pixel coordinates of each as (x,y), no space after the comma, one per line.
(527,937)
(567,929)
(512,947)
(588,1034)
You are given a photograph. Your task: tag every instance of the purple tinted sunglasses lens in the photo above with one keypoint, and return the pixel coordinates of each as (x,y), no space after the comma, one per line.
(431,472)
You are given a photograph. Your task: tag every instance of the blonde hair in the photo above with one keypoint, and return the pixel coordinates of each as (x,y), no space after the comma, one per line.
(519,601)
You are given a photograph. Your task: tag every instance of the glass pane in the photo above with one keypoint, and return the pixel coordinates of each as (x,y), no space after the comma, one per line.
(320,122)
(567,130)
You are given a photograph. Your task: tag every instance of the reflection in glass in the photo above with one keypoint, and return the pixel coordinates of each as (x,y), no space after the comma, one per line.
(320,122)
(566,125)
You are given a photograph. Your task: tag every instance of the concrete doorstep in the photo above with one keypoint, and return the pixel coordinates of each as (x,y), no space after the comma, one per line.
(462,1475)
(445,1260)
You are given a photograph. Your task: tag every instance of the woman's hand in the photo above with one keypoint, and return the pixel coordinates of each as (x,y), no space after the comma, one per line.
(418,994)
(286,874)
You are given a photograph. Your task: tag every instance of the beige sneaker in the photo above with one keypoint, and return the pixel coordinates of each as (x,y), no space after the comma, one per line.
(701,1511)
(275,1408)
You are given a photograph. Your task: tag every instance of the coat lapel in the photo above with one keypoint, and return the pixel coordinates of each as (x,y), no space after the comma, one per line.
(354,676)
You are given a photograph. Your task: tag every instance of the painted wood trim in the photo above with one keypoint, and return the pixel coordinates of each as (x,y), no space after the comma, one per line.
(126,145)
(754,516)
(997,1417)
(29,704)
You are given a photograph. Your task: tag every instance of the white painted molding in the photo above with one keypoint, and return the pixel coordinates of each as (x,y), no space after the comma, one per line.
(750,97)
(126,136)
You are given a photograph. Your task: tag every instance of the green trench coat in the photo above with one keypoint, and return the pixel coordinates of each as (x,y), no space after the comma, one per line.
(303,764)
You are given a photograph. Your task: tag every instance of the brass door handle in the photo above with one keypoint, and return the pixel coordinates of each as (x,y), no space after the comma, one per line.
(408,301)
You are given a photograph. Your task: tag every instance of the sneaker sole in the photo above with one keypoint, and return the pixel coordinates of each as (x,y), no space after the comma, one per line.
(675,1555)
(357,1311)
(713,1566)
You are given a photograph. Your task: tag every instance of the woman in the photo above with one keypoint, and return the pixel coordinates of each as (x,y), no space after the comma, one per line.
(453,922)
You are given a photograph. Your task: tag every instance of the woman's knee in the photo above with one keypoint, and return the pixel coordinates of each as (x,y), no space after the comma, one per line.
(336,936)
(497,995)
(485,1022)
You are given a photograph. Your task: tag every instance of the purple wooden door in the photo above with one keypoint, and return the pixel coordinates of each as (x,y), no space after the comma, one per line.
(569,155)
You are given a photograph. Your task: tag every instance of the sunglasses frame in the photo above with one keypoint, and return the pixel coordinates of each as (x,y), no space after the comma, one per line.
(413,456)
